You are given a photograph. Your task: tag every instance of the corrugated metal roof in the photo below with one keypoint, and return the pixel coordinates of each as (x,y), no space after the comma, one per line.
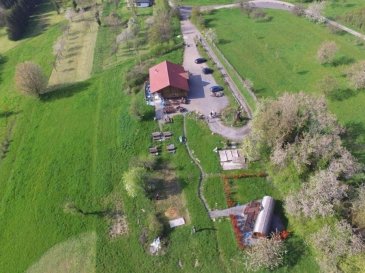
(263,221)
(167,74)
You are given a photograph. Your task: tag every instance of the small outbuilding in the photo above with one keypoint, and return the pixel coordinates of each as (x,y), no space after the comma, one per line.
(263,221)
(168,81)
(143,3)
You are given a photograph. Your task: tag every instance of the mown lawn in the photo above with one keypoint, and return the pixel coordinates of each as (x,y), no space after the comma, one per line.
(279,57)
(73,145)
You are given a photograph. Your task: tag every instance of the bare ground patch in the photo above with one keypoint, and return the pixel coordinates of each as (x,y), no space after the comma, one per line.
(169,197)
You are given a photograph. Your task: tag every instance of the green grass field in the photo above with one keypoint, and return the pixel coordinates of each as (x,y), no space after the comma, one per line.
(73,145)
(263,53)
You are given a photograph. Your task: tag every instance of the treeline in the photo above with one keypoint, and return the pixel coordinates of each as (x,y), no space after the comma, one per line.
(17,14)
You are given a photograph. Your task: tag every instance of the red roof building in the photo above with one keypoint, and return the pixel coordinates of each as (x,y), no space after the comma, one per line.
(169,79)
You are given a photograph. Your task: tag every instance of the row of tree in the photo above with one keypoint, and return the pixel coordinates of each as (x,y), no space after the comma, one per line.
(17,14)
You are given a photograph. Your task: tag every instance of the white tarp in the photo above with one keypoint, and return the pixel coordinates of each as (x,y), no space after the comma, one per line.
(177,222)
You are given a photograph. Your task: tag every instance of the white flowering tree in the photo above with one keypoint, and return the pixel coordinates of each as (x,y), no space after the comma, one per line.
(318,197)
(356,75)
(333,243)
(266,253)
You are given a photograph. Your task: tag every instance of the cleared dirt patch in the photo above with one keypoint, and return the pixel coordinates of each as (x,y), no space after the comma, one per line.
(170,200)
(76,61)
(76,255)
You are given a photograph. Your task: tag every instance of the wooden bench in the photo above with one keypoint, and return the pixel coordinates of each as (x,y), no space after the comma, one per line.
(157,136)
(171,148)
(167,135)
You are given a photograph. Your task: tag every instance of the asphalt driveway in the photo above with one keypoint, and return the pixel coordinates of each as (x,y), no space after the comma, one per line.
(199,83)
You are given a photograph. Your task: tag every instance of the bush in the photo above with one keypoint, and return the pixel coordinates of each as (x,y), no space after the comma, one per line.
(260,16)
(133,181)
(327,52)
(138,108)
(298,10)
(136,76)
(356,75)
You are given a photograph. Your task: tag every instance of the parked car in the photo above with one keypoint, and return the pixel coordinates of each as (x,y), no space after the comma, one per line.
(200,60)
(216,88)
(207,70)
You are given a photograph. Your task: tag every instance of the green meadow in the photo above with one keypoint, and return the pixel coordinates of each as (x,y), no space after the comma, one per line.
(280,56)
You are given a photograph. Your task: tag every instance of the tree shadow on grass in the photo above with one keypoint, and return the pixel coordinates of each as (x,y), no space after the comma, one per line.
(342,94)
(39,22)
(354,139)
(296,249)
(63,91)
(343,60)
(224,41)
(7,114)
(3,60)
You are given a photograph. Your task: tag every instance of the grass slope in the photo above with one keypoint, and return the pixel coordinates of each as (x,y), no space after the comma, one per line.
(73,145)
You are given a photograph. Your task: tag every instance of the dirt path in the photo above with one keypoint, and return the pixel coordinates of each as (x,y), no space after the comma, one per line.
(76,62)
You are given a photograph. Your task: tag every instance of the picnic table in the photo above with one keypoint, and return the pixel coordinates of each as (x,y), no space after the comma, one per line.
(153,150)
(171,148)
(156,135)
(167,135)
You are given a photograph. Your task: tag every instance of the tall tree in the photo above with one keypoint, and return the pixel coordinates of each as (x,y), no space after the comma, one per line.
(30,79)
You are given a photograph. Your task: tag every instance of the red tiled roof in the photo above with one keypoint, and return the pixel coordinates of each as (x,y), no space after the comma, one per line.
(168,74)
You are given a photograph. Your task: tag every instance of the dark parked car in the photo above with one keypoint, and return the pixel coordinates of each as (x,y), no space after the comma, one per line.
(200,60)
(207,70)
(216,88)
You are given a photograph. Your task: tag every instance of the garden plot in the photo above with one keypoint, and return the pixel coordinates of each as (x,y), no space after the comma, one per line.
(76,61)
